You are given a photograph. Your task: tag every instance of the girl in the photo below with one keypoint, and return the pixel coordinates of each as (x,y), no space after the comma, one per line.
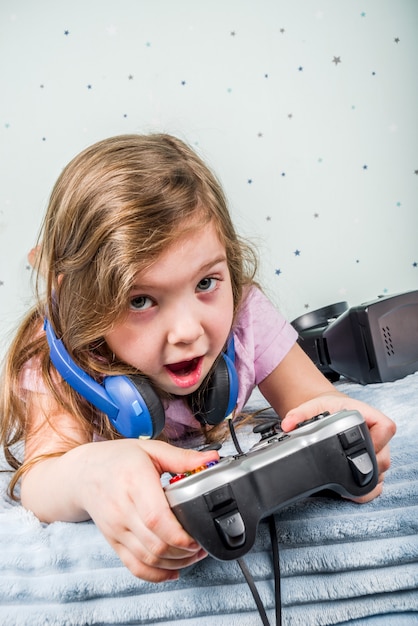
(144,277)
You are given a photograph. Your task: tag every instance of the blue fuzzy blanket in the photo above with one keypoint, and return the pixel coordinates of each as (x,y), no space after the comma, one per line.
(340,562)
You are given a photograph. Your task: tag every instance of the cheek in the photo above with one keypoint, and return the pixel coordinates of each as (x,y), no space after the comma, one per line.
(123,342)
(225,318)
(136,345)
(230,300)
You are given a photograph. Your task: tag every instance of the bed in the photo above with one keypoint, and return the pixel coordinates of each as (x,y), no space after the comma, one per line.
(340,562)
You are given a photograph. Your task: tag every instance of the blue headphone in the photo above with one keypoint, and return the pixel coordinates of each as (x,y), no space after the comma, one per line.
(131,403)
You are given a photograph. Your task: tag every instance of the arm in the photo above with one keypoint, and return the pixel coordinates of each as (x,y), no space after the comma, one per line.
(297,390)
(115,483)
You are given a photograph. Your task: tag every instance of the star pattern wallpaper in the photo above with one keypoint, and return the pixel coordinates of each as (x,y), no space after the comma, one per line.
(305,109)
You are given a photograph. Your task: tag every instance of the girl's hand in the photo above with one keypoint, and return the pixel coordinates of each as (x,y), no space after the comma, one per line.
(115,483)
(122,493)
(382,429)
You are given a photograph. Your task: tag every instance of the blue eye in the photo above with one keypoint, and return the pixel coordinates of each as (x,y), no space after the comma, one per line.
(140,303)
(207,284)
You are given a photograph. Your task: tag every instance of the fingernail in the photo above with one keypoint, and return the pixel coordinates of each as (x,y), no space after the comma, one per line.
(202,554)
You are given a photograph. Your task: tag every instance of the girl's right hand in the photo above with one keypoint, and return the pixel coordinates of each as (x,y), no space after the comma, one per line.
(122,493)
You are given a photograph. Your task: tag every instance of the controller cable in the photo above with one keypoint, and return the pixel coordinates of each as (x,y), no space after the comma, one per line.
(234,437)
(276,563)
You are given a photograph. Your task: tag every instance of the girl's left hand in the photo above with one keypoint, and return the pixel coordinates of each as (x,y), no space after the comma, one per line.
(382,429)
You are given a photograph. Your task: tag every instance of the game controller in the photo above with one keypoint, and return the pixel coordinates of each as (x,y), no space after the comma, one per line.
(220,504)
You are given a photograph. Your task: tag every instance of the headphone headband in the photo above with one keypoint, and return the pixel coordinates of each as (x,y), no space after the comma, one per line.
(75,376)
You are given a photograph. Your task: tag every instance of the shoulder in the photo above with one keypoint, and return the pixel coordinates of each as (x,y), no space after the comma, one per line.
(258,312)
(31,375)
(262,337)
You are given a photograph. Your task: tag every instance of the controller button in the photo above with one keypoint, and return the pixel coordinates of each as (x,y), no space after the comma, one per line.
(175,478)
(219,497)
(350,437)
(232,529)
(199,469)
(362,467)
(313,419)
(210,446)
(196,470)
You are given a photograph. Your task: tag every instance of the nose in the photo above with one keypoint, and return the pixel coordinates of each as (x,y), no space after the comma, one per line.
(185,327)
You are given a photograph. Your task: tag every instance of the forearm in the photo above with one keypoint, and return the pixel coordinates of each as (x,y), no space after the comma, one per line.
(294,381)
(52,488)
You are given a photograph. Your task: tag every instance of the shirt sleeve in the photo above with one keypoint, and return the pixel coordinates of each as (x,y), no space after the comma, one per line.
(262,339)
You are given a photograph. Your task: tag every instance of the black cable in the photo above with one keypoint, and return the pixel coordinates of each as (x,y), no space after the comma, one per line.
(234,437)
(276,562)
(254,591)
(276,569)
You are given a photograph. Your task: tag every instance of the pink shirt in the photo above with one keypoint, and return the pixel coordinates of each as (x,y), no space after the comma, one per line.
(262,339)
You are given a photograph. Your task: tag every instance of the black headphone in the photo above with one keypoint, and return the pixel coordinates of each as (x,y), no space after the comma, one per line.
(132,404)
(311,328)
(319,318)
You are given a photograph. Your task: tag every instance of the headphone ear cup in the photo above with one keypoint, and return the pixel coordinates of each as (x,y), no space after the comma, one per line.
(141,413)
(153,402)
(131,404)
(220,396)
(320,317)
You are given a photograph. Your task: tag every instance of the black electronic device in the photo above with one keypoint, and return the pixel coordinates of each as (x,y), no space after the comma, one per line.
(220,504)
(373,342)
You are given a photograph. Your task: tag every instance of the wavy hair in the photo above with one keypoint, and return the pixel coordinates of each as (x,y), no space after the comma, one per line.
(113,210)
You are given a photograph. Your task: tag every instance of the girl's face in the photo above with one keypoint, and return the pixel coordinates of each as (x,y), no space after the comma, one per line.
(180,314)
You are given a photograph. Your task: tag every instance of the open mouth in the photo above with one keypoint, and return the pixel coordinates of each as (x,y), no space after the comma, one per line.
(186,373)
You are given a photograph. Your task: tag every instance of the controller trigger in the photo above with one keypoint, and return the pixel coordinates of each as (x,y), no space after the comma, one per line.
(362,467)
(232,529)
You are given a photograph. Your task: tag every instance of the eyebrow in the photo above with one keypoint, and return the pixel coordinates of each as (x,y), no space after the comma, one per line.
(210,264)
(203,268)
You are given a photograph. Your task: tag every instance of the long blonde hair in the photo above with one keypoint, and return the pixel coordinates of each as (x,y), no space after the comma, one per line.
(114,209)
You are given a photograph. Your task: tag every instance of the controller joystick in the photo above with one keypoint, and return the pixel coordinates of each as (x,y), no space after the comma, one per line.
(221,503)
(267,429)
